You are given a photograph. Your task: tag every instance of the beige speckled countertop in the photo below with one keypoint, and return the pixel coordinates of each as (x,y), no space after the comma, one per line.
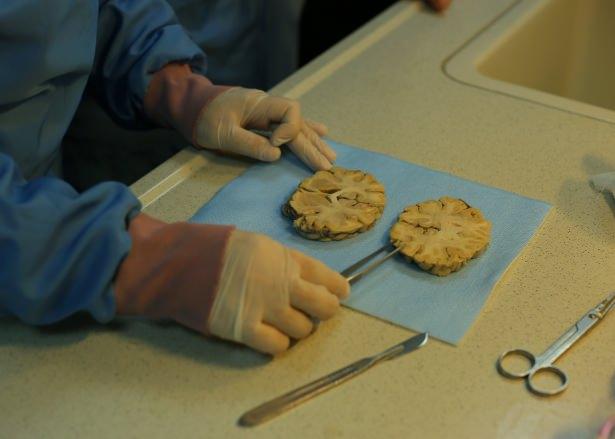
(381,89)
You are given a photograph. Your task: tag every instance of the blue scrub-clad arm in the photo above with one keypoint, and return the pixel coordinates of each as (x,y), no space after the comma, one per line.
(136,39)
(59,250)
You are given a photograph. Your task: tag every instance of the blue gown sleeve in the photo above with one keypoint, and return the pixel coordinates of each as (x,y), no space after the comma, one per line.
(135,39)
(59,250)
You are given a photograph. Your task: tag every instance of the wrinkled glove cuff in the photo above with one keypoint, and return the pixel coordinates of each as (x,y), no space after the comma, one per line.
(176,96)
(172,271)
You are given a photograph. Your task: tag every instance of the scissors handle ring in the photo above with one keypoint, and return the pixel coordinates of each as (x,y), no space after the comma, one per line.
(553,370)
(520,353)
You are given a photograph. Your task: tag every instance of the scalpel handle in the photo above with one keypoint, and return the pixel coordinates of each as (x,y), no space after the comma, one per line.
(295,397)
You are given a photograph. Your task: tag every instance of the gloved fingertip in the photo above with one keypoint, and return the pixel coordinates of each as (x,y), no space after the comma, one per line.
(330,154)
(322,164)
(340,287)
(270,154)
(320,128)
(279,140)
(284,134)
(320,144)
(345,291)
(266,339)
(276,347)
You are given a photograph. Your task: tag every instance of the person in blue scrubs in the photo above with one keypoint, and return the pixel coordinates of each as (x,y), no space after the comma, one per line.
(252,44)
(63,252)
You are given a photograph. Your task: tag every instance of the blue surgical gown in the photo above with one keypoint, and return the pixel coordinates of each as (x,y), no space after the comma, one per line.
(251,43)
(59,250)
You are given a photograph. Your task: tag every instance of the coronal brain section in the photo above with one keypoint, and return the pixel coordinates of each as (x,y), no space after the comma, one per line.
(336,204)
(440,236)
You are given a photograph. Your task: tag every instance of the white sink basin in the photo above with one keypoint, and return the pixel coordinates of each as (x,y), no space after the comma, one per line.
(559,53)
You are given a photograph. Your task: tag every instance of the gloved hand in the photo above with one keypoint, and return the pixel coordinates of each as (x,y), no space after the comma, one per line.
(267,291)
(172,271)
(224,124)
(216,280)
(221,118)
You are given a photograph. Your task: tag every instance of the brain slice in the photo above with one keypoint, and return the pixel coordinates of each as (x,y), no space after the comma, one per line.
(336,204)
(440,236)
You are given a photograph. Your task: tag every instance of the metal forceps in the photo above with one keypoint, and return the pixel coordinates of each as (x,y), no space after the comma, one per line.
(351,276)
(543,363)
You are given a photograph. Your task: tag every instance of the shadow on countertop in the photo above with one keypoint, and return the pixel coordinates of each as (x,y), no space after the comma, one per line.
(597,165)
(167,337)
(576,198)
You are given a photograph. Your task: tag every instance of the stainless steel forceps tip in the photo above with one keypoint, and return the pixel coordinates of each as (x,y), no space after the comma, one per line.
(349,272)
(605,306)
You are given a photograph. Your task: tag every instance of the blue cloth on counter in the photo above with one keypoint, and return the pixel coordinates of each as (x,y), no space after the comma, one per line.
(397,291)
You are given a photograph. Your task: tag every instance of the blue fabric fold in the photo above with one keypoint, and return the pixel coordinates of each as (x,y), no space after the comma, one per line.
(397,291)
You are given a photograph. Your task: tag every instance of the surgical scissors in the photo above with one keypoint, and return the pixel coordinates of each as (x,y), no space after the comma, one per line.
(543,363)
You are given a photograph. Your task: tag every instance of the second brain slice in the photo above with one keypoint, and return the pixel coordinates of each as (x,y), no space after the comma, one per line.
(336,204)
(441,235)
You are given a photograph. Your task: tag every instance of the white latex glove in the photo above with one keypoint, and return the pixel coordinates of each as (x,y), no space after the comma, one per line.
(226,121)
(268,291)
